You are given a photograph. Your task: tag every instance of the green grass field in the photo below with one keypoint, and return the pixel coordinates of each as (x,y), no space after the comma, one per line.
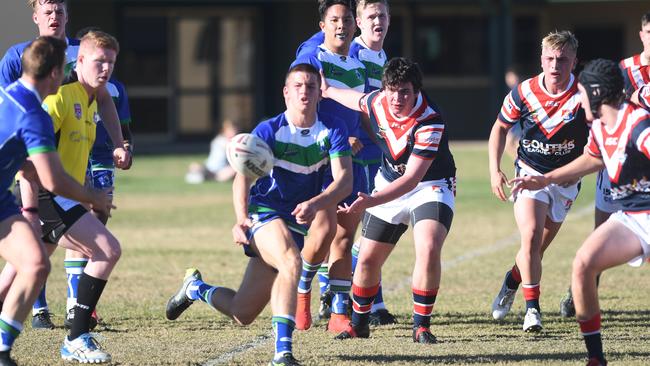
(165,225)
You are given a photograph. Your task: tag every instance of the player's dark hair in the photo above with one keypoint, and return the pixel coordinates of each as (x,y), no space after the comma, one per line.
(603,82)
(399,70)
(323,5)
(83,31)
(645,19)
(308,68)
(43,55)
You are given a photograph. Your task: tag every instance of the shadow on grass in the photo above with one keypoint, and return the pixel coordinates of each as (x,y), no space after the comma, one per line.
(490,358)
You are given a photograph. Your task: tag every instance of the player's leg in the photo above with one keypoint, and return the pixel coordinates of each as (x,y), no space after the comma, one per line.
(432,221)
(378,242)
(340,262)
(610,245)
(91,238)
(321,234)
(20,247)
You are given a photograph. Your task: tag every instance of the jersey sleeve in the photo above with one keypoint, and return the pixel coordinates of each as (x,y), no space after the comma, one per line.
(37,133)
(365,103)
(265,132)
(122,105)
(510,110)
(55,106)
(308,59)
(309,46)
(10,67)
(339,143)
(427,138)
(592,147)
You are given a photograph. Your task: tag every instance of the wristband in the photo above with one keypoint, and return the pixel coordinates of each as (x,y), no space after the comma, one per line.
(29,209)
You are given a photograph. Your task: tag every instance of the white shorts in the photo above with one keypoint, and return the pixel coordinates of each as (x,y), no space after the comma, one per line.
(558,197)
(398,211)
(604,200)
(639,223)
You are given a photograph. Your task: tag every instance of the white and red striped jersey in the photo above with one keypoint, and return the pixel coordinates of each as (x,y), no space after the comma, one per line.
(625,150)
(644,96)
(422,133)
(554,128)
(636,73)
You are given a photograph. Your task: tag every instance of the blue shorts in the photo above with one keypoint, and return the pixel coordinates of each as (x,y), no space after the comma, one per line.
(260,219)
(360,182)
(103,178)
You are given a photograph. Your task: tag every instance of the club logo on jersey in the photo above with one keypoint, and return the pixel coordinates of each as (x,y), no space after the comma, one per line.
(538,147)
(304,132)
(567,116)
(611,141)
(77,110)
(637,186)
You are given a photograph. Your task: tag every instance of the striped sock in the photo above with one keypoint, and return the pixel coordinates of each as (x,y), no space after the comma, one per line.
(590,329)
(531,294)
(306,276)
(423,301)
(9,331)
(341,290)
(73,269)
(355,254)
(362,298)
(199,290)
(283,326)
(324,278)
(378,304)
(41,302)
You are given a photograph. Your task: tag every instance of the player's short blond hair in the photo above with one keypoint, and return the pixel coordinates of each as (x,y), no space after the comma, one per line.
(558,40)
(362,4)
(99,39)
(32,3)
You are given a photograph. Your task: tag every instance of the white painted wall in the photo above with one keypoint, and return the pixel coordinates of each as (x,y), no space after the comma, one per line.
(16,24)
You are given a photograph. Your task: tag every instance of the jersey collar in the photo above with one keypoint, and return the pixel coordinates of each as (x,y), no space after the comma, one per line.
(32,89)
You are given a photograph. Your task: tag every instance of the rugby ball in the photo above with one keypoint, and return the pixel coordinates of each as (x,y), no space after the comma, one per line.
(250,155)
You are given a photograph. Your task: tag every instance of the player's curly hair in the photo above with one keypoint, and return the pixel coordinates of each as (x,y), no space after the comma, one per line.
(603,82)
(399,70)
(323,5)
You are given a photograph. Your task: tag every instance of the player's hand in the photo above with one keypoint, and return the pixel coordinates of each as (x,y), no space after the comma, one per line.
(359,205)
(122,158)
(101,200)
(355,144)
(239,231)
(497,180)
(305,212)
(530,182)
(324,86)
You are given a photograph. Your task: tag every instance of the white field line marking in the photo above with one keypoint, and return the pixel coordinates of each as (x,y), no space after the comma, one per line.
(511,240)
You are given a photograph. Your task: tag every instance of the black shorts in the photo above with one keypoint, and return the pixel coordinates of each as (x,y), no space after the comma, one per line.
(57,214)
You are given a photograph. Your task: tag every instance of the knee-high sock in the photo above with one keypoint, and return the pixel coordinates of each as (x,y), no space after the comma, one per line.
(362,299)
(531,294)
(307,276)
(283,326)
(9,331)
(341,290)
(591,333)
(324,278)
(423,300)
(73,270)
(90,290)
(41,302)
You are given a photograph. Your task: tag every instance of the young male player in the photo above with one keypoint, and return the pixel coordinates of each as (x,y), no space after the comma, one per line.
(51,17)
(636,73)
(26,131)
(620,143)
(273,216)
(331,232)
(554,132)
(416,185)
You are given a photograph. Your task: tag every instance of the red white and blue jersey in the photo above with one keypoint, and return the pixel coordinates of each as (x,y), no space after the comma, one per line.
(422,133)
(554,128)
(25,130)
(625,150)
(644,96)
(635,73)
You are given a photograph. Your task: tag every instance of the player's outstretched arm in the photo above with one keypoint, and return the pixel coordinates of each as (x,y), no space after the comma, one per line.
(240,188)
(496,145)
(54,179)
(348,97)
(583,165)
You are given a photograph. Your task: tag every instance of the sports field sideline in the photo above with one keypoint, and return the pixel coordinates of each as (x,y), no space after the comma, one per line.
(166,225)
